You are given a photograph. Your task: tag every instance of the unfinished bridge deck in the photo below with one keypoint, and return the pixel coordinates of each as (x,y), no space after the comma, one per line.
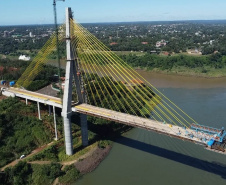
(135,121)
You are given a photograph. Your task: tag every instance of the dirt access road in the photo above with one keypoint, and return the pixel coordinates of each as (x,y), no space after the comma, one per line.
(37,150)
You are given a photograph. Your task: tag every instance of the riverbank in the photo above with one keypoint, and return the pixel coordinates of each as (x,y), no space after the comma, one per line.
(86,163)
(195,72)
(65,172)
(91,162)
(163,80)
(202,66)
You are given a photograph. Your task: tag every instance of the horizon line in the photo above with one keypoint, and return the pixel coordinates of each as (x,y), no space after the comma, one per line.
(118,22)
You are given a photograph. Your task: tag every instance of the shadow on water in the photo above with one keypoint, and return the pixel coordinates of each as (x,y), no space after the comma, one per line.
(212,167)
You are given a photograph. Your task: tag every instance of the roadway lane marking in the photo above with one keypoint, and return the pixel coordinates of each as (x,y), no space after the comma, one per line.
(35,96)
(94,111)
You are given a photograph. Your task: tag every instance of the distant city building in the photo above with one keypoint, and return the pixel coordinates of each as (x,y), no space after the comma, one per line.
(44,35)
(194,52)
(144,43)
(30,34)
(24,57)
(166,53)
(160,43)
(198,33)
(6,34)
(211,42)
(153,51)
(113,43)
(16,36)
(22,40)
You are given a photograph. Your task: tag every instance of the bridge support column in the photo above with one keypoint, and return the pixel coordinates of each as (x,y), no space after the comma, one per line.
(66,111)
(68,134)
(84,128)
(72,69)
(55,125)
(67,98)
(26,101)
(39,113)
(50,110)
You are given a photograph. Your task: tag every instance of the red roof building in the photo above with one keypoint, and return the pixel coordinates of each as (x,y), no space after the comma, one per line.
(113,43)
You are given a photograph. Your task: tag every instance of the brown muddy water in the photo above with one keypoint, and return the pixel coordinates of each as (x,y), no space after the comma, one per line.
(161,80)
(175,81)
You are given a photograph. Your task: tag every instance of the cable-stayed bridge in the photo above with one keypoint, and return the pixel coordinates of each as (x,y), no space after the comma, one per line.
(106,87)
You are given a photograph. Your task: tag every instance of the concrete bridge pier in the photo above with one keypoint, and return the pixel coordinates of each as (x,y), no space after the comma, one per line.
(72,70)
(55,125)
(39,113)
(68,134)
(84,129)
(50,111)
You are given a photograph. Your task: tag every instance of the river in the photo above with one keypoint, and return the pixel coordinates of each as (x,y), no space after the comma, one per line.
(141,157)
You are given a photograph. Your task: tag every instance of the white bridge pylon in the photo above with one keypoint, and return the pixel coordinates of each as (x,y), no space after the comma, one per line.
(71,71)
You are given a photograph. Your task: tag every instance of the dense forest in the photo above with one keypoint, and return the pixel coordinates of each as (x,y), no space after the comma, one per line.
(13,69)
(20,130)
(152,61)
(35,174)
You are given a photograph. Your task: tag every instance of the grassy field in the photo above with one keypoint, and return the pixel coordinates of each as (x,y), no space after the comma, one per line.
(9,57)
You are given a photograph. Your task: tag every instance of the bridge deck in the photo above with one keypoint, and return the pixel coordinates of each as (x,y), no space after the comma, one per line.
(167,129)
(135,121)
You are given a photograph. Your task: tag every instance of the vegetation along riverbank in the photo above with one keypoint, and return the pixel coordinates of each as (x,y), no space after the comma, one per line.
(213,65)
(22,132)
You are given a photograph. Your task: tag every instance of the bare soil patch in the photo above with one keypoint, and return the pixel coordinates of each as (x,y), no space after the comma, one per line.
(91,162)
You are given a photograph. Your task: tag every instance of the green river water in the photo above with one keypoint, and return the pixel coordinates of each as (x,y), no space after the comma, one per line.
(142,157)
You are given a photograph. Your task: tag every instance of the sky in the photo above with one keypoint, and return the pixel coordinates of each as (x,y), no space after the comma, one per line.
(21,12)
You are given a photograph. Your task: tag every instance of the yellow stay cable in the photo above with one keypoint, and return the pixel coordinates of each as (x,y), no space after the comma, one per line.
(94,99)
(91,55)
(173,115)
(93,75)
(145,100)
(110,87)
